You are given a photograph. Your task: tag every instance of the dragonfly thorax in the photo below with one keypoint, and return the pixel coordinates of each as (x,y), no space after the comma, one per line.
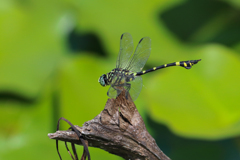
(117,76)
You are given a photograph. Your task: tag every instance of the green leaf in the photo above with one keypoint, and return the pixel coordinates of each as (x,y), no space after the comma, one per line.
(201,102)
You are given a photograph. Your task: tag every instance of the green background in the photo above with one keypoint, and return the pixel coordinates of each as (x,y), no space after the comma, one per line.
(52,53)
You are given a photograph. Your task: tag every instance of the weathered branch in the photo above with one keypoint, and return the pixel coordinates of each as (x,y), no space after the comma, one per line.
(118,129)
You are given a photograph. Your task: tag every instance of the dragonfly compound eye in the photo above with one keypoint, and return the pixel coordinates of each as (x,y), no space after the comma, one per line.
(101,80)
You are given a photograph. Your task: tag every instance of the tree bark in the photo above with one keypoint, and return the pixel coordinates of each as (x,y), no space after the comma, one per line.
(118,129)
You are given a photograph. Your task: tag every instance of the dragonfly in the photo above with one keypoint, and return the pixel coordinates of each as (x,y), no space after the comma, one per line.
(129,65)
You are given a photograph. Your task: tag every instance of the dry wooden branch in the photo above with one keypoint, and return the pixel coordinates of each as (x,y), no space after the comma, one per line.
(118,129)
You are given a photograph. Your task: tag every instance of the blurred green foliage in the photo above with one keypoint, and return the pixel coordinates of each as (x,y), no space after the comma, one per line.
(53,52)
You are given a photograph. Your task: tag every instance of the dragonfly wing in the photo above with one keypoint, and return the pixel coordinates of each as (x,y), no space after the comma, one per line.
(126,50)
(136,87)
(140,56)
(112,93)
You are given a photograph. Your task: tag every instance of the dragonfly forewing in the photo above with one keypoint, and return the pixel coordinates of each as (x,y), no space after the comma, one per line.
(140,56)
(125,51)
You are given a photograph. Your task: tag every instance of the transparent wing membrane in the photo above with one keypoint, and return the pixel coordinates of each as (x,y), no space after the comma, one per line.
(141,55)
(136,87)
(131,62)
(112,93)
(126,50)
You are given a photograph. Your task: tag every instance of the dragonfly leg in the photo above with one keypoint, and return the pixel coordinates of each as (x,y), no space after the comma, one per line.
(117,90)
(127,87)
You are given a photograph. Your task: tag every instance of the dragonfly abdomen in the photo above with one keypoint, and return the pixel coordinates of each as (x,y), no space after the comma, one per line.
(185,64)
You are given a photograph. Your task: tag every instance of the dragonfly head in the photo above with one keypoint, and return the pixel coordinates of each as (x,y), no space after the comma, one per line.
(103,80)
